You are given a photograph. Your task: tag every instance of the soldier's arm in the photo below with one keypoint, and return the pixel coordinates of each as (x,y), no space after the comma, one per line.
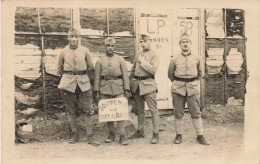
(97,75)
(124,72)
(151,67)
(60,64)
(199,68)
(132,73)
(89,61)
(171,70)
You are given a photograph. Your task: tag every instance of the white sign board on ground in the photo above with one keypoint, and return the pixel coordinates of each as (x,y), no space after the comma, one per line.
(113,109)
(157,23)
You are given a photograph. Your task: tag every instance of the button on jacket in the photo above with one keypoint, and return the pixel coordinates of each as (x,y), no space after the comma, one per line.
(111,67)
(74,60)
(185,66)
(147,68)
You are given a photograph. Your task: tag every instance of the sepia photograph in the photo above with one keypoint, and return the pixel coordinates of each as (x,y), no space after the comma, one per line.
(101,81)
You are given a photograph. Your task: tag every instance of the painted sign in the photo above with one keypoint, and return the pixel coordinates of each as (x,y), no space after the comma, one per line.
(157,24)
(113,109)
(186,21)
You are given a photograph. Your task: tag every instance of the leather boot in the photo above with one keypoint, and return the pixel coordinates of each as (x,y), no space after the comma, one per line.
(111,137)
(178,139)
(137,134)
(155,138)
(202,140)
(73,126)
(123,140)
(91,140)
(73,138)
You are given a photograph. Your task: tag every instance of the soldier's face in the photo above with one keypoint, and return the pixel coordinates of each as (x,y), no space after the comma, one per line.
(73,40)
(185,45)
(145,43)
(110,48)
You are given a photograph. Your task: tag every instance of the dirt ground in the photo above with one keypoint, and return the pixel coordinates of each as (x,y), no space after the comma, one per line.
(225,138)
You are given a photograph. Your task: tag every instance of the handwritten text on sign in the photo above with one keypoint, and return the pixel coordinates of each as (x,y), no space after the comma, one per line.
(113,109)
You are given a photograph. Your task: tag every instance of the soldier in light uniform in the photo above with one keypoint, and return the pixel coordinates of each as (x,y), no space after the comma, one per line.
(73,64)
(185,71)
(112,81)
(144,88)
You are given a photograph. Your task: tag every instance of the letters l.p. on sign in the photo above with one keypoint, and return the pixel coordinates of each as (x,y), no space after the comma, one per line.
(113,109)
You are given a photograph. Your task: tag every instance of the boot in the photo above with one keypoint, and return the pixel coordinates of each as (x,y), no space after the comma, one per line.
(91,140)
(73,138)
(111,137)
(155,138)
(202,140)
(123,140)
(137,134)
(73,126)
(178,139)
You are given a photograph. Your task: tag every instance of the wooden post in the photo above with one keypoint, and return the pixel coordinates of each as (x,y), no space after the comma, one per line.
(225,54)
(107,24)
(42,66)
(136,28)
(202,55)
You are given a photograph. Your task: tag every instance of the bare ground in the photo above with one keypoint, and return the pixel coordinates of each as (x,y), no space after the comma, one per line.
(225,138)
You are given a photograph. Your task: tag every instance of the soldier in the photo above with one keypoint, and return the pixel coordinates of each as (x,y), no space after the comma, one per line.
(112,81)
(185,71)
(144,88)
(73,64)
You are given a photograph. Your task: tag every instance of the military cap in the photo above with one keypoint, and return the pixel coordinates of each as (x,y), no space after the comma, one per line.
(145,37)
(110,40)
(184,36)
(73,31)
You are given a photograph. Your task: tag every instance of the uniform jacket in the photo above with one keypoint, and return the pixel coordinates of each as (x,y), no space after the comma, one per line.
(147,68)
(111,66)
(185,66)
(74,60)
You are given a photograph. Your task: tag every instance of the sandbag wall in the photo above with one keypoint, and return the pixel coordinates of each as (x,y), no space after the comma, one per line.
(226,69)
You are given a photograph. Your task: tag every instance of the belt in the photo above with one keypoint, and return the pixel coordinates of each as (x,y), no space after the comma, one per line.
(75,72)
(185,79)
(111,77)
(143,77)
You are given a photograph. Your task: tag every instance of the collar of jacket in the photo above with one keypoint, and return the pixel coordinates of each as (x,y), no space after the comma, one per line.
(73,48)
(110,55)
(186,53)
(145,50)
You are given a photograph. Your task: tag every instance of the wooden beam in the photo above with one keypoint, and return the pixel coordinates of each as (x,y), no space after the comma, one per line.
(202,55)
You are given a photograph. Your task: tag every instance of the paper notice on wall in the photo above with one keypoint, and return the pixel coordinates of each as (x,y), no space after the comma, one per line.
(214,23)
(113,109)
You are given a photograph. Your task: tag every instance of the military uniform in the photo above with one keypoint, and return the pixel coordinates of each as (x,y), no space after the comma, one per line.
(185,71)
(144,88)
(112,81)
(73,65)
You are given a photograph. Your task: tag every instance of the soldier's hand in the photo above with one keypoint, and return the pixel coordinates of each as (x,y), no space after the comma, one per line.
(140,59)
(127,93)
(97,96)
